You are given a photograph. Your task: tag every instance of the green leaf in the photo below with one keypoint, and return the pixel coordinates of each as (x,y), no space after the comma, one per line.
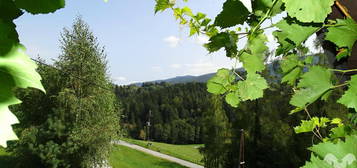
(9,11)
(309,10)
(8,36)
(232,99)
(226,40)
(344,34)
(337,121)
(298,109)
(289,63)
(252,88)
(262,6)
(252,63)
(309,59)
(162,5)
(17,70)
(340,131)
(349,98)
(292,33)
(257,45)
(312,86)
(323,122)
(316,162)
(40,6)
(306,125)
(340,154)
(292,76)
(219,83)
(233,13)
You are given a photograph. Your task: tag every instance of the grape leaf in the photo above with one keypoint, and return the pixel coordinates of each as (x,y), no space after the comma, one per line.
(289,63)
(9,11)
(40,6)
(233,13)
(162,5)
(262,6)
(292,76)
(309,10)
(349,99)
(340,131)
(8,36)
(306,125)
(233,99)
(252,88)
(292,32)
(252,63)
(316,162)
(340,154)
(225,40)
(289,66)
(312,86)
(17,70)
(219,83)
(343,35)
(257,44)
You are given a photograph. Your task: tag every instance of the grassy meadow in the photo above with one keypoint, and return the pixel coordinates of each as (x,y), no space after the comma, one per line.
(185,152)
(124,157)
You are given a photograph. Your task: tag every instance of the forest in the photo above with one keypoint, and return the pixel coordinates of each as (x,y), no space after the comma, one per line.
(278,105)
(185,113)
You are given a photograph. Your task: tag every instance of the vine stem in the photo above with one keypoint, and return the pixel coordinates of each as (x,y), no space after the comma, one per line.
(343,9)
(265,17)
(344,71)
(343,84)
(317,133)
(234,69)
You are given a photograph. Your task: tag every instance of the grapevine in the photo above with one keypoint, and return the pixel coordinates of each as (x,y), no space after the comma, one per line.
(309,80)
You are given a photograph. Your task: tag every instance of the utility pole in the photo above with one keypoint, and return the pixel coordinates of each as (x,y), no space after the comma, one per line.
(241,149)
(148,124)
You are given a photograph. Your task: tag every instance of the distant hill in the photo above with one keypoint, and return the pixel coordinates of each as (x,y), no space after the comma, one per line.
(184,79)
(181,79)
(272,67)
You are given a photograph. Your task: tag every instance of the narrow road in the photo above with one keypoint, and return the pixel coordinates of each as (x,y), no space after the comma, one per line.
(160,155)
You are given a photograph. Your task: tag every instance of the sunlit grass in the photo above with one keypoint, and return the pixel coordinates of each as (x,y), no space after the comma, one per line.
(185,152)
(124,157)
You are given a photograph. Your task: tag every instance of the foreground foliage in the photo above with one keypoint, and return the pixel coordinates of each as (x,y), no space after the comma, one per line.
(17,69)
(310,80)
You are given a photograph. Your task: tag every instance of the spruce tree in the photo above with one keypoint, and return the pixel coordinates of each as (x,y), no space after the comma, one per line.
(93,111)
(74,123)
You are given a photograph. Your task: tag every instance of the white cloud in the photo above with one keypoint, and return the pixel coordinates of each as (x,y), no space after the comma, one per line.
(156,68)
(120,79)
(172,41)
(201,39)
(175,66)
(201,68)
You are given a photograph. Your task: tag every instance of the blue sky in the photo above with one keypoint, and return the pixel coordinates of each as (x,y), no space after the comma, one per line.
(140,45)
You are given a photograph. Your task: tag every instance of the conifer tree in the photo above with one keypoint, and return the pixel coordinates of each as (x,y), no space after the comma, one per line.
(73,125)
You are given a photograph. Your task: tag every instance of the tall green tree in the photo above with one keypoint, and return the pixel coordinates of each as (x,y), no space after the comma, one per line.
(79,114)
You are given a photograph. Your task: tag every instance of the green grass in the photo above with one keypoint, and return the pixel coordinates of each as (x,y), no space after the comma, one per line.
(124,157)
(185,152)
(121,157)
(6,160)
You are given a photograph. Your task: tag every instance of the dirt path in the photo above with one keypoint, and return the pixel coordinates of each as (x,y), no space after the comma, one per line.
(160,155)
